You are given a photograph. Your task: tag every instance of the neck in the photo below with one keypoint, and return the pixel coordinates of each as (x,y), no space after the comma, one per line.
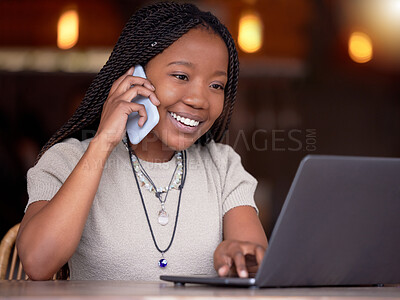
(151,149)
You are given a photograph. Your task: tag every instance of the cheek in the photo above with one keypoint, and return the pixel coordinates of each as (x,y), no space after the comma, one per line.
(166,94)
(218,109)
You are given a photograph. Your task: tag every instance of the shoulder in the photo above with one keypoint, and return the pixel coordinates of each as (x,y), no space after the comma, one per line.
(67,151)
(218,151)
(70,146)
(218,154)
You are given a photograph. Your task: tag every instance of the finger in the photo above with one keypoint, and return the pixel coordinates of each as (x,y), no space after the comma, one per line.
(141,110)
(260,251)
(251,249)
(140,90)
(223,271)
(251,264)
(240,264)
(248,255)
(145,82)
(132,81)
(120,79)
(129,107)
(222,263)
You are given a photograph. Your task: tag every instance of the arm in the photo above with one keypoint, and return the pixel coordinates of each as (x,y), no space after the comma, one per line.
(51,230)
(244,243)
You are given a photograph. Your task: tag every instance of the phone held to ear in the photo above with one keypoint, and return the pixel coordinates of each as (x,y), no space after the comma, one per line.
(136,133)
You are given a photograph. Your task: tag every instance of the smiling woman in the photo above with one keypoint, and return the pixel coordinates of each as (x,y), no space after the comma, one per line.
(111,209)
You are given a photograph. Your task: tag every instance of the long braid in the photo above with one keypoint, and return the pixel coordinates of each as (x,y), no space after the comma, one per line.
(221,125)
(147,33)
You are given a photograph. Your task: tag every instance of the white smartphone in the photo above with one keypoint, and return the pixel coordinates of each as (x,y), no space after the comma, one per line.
(136,133)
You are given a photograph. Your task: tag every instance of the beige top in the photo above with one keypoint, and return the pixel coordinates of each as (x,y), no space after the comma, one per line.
(116,242)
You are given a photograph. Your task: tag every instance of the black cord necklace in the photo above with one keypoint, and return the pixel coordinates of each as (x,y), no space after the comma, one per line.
(163,217)
(162,263)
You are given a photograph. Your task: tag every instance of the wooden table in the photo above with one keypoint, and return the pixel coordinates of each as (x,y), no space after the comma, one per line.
(113,290)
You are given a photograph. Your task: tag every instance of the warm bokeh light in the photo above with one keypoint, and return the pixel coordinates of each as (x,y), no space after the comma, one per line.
(360,47)
(392,9)
(68,29)
(250,32)
(381,20)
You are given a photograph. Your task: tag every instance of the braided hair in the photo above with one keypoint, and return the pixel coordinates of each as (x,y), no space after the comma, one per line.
(147,33)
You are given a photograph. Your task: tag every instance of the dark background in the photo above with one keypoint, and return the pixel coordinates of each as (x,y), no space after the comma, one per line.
(300,94)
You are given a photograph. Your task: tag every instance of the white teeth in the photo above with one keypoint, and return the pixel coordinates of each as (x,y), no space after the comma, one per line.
(186,121)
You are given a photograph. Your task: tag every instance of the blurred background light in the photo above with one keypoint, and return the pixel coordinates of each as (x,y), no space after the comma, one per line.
(360,47)
(381,20)
(68,29)
(250,37)
(391,9)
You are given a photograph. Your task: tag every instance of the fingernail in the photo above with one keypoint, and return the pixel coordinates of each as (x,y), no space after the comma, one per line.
(243,273)
(152,86)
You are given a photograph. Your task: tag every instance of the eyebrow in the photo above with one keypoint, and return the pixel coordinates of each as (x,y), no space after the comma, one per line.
(181,62)
(190,65)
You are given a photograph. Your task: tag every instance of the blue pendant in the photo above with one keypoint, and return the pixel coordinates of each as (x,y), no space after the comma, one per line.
(162,263)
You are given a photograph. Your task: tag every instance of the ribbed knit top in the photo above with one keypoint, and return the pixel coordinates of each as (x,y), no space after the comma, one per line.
(116,242)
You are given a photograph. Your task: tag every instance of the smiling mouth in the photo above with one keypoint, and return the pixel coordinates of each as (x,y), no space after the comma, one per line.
(185,121)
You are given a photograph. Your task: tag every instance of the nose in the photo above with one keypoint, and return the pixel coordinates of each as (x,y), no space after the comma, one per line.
(196,95)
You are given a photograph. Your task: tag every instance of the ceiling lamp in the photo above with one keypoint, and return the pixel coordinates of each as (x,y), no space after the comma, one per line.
(360,47)
(250,37)
(68,29)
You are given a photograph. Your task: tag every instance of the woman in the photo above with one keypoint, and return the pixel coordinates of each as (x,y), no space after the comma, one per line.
(111,209)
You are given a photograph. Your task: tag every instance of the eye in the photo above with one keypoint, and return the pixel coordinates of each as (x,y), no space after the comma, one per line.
(217,86)
(180,76)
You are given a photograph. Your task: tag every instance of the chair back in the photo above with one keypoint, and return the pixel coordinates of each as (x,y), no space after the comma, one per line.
(10,269)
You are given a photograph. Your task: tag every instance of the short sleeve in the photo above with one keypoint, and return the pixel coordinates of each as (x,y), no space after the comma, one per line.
(237,185)
(48,175)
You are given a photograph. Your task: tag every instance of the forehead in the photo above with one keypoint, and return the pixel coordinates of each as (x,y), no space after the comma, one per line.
(200,46)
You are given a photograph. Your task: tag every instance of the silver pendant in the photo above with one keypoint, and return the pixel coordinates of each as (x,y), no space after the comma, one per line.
(163,217)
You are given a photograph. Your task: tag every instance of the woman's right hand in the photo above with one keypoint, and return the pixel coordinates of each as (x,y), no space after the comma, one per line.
(118,106)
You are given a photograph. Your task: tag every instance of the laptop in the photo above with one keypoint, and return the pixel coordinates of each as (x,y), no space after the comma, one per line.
(339,226)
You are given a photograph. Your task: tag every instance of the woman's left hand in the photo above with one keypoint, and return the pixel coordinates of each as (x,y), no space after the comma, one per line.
(233,258)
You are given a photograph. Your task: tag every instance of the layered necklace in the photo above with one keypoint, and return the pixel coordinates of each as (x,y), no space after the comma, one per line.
(177,182)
